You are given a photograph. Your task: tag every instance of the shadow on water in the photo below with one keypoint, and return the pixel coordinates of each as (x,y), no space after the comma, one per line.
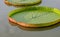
(39,28)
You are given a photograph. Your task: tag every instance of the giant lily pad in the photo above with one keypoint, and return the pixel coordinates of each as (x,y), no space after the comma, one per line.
(35,16)
(23,2)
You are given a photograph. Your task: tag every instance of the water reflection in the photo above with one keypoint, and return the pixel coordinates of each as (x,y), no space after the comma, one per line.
(39,28)
(12,24)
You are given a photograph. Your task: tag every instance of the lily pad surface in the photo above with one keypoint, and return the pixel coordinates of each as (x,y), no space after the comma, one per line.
(24,2)
(38,16)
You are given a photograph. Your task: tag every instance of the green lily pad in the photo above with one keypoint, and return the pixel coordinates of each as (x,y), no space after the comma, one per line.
(25,2)
(39,16)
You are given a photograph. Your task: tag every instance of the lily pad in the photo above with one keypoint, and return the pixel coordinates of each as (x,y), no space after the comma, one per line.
(23,2)
(37,16)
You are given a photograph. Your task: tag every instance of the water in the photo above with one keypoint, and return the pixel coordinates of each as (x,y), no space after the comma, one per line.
(6,30)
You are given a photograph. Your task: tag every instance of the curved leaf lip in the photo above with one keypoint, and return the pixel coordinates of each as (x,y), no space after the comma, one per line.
(57,11)
(23,4)
(30,25)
